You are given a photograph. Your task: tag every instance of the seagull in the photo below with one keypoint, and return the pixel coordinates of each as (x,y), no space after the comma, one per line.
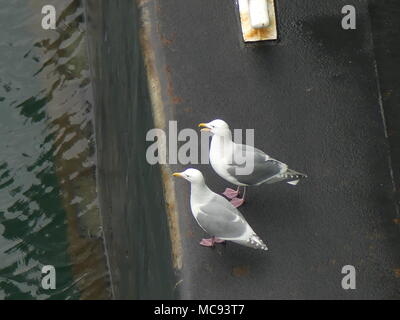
(217,216)
(224,155)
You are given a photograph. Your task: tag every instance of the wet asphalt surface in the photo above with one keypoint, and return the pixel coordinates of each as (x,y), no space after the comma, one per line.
(312,98)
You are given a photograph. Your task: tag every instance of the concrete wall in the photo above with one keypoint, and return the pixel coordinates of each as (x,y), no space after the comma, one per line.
(130,190)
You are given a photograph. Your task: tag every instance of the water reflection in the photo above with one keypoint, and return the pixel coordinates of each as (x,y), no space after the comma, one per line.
(48,201)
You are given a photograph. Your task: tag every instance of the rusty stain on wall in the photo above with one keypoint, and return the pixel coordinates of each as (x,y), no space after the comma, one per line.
(170,89)
(159,116)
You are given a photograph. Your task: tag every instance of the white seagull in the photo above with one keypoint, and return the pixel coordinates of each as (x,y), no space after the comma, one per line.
(224,155)
(217,216)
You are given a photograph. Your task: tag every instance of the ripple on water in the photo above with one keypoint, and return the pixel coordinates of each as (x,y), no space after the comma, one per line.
(48,201)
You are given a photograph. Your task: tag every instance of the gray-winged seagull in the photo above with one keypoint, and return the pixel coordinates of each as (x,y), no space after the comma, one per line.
(225,156)
(217,216)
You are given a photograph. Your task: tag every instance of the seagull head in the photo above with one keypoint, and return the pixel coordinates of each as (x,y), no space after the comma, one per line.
(191,175)
(217,127)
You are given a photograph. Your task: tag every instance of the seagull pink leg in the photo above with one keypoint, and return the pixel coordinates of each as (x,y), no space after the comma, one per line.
(230,193)
(237,202)
(207,242)
(211,242)
(218,240)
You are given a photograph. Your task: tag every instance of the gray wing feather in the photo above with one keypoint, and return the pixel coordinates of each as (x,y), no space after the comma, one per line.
(219,218)
(263,169)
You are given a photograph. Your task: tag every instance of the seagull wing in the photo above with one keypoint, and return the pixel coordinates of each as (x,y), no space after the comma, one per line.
(220,218)
(265,167)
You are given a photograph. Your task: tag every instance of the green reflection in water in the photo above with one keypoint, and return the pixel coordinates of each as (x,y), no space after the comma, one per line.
(47,156)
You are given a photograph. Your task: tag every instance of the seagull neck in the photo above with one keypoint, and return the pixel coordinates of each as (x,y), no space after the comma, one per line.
(220,141)
(200,191)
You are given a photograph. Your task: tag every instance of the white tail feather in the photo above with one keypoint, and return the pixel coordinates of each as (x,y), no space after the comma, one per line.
(293,183)
(257,243)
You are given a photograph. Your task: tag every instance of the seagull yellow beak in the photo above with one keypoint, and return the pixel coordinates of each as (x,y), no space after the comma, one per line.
(204,126)
(177,174)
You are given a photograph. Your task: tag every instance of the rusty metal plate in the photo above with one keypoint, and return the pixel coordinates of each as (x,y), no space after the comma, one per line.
(250,34)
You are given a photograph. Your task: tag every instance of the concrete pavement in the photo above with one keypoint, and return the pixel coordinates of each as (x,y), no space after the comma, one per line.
(313,100)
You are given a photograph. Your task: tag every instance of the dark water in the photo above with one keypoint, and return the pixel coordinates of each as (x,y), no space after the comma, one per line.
(48,203)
